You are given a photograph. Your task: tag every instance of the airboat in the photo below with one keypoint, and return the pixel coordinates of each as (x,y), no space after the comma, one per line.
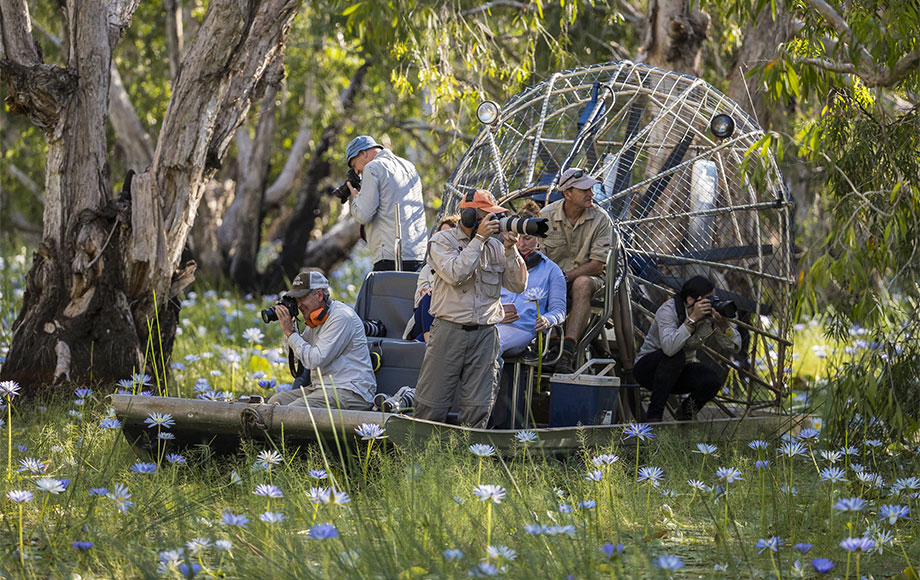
(690,189)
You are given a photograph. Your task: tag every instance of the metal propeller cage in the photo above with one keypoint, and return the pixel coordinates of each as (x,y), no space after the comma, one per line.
(682,200)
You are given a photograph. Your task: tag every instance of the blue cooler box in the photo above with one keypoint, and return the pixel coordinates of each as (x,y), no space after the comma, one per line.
(582,398)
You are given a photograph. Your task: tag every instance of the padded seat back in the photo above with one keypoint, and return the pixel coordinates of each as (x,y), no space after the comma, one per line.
(390,297)
(401,361)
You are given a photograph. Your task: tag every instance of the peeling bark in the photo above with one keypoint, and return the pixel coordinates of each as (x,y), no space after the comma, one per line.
(100,293)
(674,36)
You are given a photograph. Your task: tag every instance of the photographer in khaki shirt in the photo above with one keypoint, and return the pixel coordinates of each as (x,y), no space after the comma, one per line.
(471,267)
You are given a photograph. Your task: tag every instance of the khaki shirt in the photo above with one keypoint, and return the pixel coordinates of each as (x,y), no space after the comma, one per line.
(469,276)
(571,246)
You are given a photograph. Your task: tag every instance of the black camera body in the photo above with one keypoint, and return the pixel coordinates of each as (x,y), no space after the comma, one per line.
(342,192)
(528,226)
(400,402)
(725,307)
(268,315)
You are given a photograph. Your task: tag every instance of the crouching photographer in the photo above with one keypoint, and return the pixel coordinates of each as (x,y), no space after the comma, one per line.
(667,362)
(332,348)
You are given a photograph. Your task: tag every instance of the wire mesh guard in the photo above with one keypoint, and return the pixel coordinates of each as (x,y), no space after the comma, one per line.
(683,200)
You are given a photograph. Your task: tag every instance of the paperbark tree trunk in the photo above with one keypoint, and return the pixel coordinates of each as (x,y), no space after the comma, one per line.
(96,306)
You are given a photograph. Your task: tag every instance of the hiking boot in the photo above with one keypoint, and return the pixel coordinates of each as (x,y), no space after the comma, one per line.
(686,411)
(564,366)
(654,416)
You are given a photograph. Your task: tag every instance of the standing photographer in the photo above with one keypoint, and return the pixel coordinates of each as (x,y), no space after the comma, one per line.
(667,361)
(387,182)
(333,346)
(471,267)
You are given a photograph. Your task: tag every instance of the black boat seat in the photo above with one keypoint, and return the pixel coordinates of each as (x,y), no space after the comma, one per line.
(388,297)
(400,362)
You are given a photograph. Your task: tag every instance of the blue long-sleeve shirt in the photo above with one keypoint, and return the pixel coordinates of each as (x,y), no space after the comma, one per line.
(547,282)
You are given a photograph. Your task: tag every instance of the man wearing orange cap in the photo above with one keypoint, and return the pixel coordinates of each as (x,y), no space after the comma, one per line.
(471,267)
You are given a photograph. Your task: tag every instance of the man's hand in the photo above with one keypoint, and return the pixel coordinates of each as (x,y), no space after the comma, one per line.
(509,239)
(542,324)
(720,320)
(284,319)
(351,188)
(700,309)
(487,227)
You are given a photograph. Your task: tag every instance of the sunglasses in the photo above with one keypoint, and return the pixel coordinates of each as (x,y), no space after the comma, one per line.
(575,176)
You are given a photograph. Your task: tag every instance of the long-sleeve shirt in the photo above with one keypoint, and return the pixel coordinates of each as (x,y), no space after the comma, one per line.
(469,276)
(546,283)
(669,335)
(338,350)
(386,181)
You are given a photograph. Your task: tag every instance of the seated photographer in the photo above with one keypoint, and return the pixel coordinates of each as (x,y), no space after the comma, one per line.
(332,348)
(419,325)
(578,241)
(667,363)
(545,287)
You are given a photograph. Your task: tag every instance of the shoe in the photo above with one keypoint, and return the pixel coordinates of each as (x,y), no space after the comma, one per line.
(654,416)
(686,411)
(564,366)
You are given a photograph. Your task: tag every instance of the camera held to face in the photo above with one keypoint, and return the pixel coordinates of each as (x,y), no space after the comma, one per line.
(342,192)
(527,226)
(724,307)
(269,315)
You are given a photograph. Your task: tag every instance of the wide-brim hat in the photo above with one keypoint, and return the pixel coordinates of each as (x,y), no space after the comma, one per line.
(481,199)
(306,282)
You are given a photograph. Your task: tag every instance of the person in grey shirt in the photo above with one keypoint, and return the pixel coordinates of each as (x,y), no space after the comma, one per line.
(667,362)
(388,182)
(333,347)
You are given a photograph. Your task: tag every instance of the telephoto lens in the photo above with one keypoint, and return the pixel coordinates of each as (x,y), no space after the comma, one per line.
(528,226)
(374,328)
(725,307)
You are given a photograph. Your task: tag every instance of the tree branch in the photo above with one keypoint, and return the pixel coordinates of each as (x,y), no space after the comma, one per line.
(496,4)
(829,65)
(129,131)
(16,41)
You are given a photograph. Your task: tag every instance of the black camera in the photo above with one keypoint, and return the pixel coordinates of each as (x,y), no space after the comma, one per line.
(268,315)
(400,402)
(529,226)
(725,307)
(374,328)
(342,192)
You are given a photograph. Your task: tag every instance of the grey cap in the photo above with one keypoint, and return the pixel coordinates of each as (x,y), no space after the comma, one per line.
(576,177)
(359,144)
(306,282)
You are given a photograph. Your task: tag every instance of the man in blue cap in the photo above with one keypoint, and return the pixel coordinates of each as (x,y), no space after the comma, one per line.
(388,183)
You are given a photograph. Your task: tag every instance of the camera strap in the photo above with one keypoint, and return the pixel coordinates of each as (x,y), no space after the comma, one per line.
(295,366)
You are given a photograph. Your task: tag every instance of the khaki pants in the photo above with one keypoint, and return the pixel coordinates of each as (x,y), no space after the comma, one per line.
(338,399)
(460,366)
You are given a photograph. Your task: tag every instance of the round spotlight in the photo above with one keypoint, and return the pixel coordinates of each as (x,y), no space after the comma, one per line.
(487,112)
(722,126)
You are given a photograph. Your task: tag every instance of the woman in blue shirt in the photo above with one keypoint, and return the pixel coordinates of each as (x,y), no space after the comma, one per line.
(545,286)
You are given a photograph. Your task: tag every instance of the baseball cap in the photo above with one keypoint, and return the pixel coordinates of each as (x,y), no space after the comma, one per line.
(305,282)
(576,177)
(359,144)
(481,199)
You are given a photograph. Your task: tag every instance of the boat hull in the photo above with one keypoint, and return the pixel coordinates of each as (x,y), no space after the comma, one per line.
(222,426)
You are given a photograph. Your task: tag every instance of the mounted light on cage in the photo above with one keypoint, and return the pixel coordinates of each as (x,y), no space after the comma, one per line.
(487,112)
(722,126)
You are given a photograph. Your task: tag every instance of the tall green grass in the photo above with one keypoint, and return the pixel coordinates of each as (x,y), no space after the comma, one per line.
(414,513)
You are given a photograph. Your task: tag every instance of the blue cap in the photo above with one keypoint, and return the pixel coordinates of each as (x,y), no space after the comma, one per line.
(359,144)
